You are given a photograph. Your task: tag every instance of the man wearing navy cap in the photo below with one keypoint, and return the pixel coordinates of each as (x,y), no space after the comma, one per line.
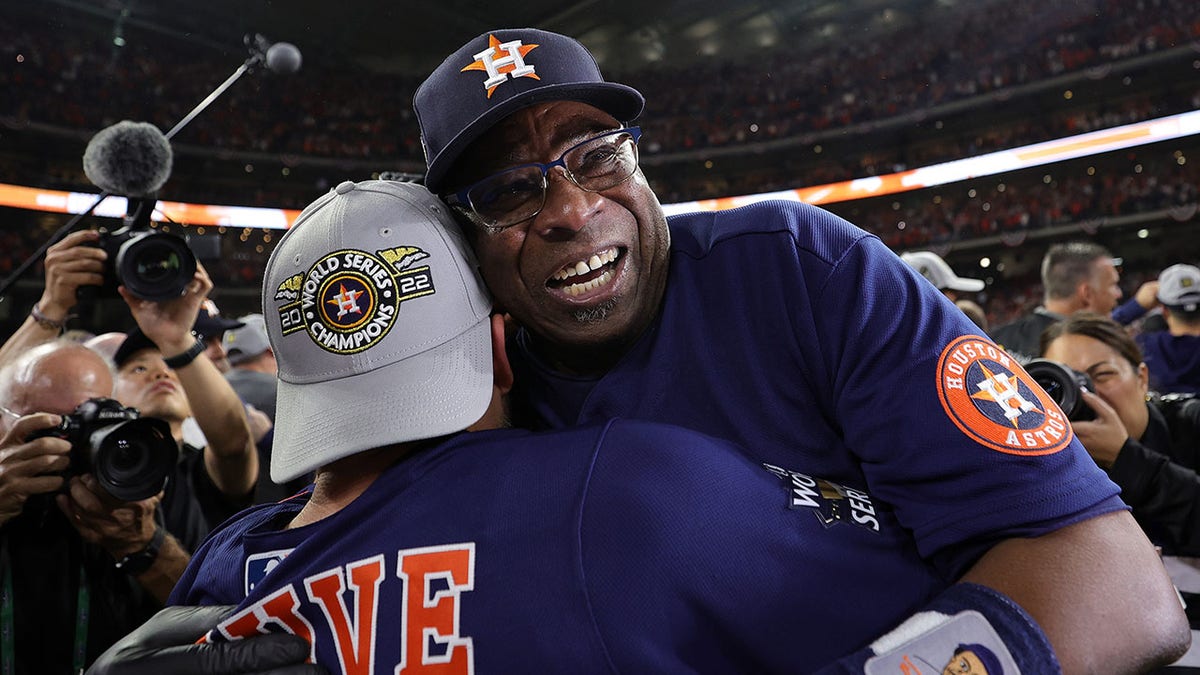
(210,327)
(790,331)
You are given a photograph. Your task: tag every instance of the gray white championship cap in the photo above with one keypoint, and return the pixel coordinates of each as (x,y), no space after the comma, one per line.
(1179,287)
(932,267)
(379,323)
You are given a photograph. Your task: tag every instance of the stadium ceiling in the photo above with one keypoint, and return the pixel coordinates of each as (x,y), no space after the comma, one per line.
(411,36)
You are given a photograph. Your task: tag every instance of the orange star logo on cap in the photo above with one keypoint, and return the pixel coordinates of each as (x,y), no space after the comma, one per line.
(502,61)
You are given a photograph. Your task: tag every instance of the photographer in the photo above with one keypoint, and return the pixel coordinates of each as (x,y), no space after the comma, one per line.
(163,372)
(1147,445)
(64,597)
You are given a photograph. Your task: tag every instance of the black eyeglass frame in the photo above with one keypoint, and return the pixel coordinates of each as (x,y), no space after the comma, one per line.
(462,198)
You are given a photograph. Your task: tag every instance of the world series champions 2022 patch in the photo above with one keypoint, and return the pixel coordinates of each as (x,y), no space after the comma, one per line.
(988,396)
(348,300)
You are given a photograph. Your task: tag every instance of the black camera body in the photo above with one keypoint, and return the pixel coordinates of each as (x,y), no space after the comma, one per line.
(1064,385)
(153,265)
(131,456)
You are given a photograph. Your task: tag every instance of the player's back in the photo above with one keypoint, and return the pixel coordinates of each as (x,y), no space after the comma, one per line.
(629,547)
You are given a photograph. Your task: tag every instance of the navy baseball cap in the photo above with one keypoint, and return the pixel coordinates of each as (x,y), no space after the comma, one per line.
(210,324)
(134,342)
(497,74)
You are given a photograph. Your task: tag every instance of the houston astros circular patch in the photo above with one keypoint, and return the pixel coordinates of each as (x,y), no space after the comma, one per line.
(994,401)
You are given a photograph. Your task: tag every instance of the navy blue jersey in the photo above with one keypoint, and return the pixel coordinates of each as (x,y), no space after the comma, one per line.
(805,340)
(628,547)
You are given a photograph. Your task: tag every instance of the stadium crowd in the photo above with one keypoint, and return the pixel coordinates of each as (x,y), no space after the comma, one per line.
(774,95)
(773,103)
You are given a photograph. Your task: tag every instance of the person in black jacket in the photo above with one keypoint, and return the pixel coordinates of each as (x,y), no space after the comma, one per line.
(1148,444)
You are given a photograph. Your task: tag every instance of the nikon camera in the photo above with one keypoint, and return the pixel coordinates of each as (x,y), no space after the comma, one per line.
(130,456)
(1064,385)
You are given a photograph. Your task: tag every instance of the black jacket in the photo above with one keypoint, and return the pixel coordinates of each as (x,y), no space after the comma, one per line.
(1157,475)
(1022,338)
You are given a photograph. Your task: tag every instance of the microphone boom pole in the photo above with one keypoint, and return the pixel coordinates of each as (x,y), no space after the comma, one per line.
(242,69)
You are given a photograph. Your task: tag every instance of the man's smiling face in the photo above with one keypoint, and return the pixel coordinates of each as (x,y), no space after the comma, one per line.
(588,271)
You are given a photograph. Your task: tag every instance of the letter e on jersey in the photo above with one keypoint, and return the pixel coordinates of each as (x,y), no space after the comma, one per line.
(433,614)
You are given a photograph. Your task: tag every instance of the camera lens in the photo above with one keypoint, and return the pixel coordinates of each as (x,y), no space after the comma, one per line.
(155,266)
(133,459)
(1052,387)
(125,460)
(1063,385)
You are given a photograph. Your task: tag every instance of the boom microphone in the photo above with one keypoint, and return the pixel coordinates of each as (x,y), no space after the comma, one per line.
(283,57)
(280,57)
(128,158)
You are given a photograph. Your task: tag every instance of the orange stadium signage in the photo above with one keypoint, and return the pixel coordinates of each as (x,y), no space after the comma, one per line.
(1061,149)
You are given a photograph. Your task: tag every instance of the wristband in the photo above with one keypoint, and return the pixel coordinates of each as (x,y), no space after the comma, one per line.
(967,624)
(137,563)
(48,323)
(180,360)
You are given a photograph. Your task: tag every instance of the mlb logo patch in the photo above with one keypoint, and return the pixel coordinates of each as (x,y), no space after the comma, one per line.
(260,564)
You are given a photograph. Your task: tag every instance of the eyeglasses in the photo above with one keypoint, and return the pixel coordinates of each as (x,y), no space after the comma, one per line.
(10,412)
(517,194)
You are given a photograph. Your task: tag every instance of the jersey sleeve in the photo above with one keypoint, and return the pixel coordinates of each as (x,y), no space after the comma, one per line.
(948,428)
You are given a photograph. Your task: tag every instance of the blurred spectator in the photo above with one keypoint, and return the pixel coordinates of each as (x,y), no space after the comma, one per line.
(1173,355)
(938,272)
(974,312)
(210,328)
(106,344)
(253,375)
(1076,276)
(932,267)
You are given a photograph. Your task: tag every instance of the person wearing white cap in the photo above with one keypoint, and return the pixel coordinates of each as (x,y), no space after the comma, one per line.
(1173,355)
(776,326)
(938,272)
(387,349)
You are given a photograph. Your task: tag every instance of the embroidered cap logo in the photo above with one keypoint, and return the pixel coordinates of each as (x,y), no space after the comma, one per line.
(502,60)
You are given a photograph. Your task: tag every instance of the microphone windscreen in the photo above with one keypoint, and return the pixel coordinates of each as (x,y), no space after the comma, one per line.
(283,57)
(128,158)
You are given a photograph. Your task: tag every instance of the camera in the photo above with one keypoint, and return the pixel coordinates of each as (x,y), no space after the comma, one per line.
(131,456)
(1064,385)
(152,265)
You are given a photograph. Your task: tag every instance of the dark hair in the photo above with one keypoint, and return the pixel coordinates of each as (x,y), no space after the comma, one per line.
(1184,316)
(1097,327)
(987,658)
(1066,265)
